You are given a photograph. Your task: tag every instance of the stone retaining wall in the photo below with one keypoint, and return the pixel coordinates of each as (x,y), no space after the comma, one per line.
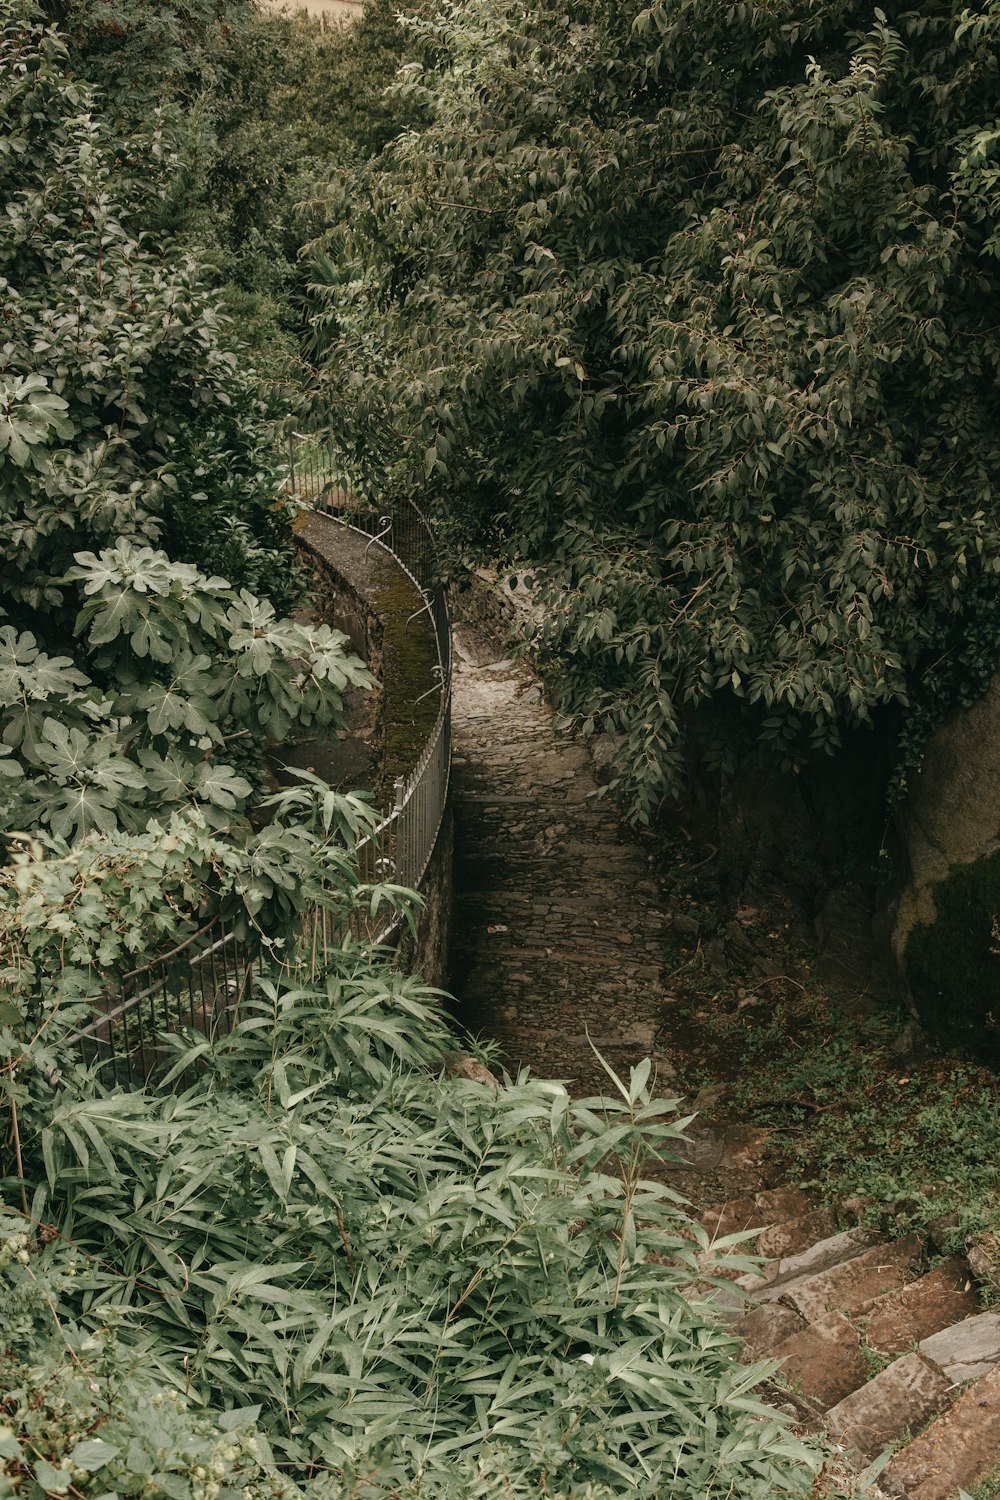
(342,558)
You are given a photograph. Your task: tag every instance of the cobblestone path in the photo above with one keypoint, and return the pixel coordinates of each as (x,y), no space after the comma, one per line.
(558,933)
(559,938)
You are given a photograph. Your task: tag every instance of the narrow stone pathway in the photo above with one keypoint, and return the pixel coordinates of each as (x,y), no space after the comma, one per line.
(561,942)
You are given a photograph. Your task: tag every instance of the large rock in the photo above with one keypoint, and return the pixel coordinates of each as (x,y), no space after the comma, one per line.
(942,934)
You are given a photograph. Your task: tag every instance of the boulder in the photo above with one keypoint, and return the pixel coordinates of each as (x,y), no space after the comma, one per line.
(942,931)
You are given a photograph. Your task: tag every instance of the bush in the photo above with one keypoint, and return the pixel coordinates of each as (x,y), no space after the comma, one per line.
(428,1286)
(126,428)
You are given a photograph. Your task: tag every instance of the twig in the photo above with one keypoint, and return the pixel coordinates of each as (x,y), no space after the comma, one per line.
(774,979)
(347,1243)
(16,1133)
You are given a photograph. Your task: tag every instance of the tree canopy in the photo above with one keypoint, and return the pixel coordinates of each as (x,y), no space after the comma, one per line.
(689,311)
(233,116)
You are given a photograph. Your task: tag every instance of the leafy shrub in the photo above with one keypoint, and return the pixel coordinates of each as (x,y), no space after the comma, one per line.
(250,112)
(121,392)
(427,1285)
(680,310)
(178,664)
(125,428)
(75,917)
(77,1413)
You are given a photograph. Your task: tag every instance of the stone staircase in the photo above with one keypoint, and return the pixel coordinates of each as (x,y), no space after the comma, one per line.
(876,1349)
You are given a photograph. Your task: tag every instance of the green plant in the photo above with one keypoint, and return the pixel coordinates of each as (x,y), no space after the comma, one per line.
(428,1286)
(910,1148)
(78,1416)
(121,393)
(179,665)
(133,456)
(678,310)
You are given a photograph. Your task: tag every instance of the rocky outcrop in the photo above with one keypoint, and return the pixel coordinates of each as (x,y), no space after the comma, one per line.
(942,928)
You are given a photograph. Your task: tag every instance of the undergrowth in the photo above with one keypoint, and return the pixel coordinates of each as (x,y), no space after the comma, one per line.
(915,1139)
(328,1263)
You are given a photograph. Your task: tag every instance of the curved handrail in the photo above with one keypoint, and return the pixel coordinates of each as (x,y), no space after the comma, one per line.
(200,985)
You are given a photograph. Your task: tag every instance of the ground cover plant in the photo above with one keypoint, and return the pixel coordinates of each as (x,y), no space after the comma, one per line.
(853,1102)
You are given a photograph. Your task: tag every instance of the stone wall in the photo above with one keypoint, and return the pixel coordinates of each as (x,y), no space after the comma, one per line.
(345,607)
(942,923)
(486,600)
(353,589)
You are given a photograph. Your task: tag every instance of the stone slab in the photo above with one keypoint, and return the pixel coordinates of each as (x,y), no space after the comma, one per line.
(902,1318)
(902,1396)
(734,1217)
(765,1327)
(967,1349)
(955,1452)
(791,1236)
(782,1274)
(824,1361)
(853,1285)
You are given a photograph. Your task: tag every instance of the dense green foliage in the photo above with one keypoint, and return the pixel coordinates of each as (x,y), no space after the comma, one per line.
(690,311)
(234,117)
(419,1284)
(325,1266)
(142,661)
(79,1415)
(114,368)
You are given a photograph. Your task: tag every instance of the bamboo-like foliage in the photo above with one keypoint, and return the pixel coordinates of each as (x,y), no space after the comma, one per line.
(427,1285)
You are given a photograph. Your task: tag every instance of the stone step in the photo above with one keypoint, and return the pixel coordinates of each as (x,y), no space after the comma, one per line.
(957,1450)
(913,1312)
(852,1286)
(791,1236)
(967,1350)
(777,1276)
(765,1326)
(823,1296)
(776,1243)
(781,1203)
(824,1361)
(750,1217)
(901,1397)
(735,1217)
(760,1210)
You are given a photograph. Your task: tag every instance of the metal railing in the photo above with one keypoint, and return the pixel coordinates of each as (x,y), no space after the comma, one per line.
(319,480)
(199,986)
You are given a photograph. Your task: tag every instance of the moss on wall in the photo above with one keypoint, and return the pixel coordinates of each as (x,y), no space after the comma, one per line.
(952,965)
